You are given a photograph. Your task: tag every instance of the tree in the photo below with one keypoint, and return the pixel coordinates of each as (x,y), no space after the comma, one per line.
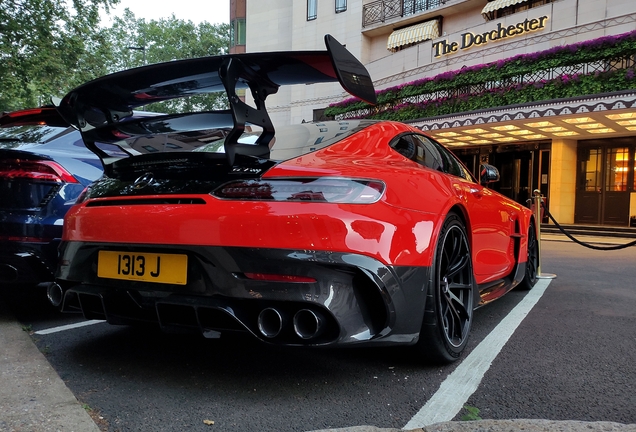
(47,47)
(136,42)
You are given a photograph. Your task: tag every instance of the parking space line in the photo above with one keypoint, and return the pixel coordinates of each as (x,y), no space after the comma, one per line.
(463,382)
(68,327)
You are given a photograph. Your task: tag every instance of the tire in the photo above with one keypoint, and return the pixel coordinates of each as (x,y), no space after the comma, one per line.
(532,260)
(449,308)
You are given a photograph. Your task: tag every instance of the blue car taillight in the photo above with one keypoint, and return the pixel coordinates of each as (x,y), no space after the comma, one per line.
(41,170)
(327,190)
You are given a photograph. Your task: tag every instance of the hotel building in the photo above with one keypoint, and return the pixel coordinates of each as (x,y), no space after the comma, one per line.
(579,151)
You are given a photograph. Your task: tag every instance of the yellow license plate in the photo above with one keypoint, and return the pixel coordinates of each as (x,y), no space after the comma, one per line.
(146,267)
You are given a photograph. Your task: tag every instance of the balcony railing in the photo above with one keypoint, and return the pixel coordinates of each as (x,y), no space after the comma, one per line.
(382,10)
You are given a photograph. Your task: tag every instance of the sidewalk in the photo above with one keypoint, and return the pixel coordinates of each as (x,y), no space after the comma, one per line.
(33,398)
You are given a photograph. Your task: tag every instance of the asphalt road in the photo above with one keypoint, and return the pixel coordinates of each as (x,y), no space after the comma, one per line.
(571,358)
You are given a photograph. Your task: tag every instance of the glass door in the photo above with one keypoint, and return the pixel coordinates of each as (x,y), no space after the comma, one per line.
(616,193)
(605,179)
(589,187)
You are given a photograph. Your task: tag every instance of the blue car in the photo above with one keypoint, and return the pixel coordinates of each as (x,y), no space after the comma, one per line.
(44,167)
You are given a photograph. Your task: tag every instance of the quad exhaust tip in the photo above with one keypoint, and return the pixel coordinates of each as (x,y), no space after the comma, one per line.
(55,294)
(308,324)
(270,322)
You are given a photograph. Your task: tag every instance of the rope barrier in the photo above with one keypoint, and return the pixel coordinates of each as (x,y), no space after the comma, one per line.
(587,245)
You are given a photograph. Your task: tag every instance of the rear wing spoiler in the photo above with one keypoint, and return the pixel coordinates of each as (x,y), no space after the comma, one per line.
(102,109)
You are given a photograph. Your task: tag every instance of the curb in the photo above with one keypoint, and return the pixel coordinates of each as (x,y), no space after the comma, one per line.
(526,425)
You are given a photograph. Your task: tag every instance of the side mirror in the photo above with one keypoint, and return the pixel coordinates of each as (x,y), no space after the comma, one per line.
(488,174)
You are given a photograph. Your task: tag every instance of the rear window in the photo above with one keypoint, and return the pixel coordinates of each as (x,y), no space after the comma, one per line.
(17,136)
(296,140)
(289,141)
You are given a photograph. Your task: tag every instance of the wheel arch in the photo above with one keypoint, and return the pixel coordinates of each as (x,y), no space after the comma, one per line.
(462,214)
(524,229)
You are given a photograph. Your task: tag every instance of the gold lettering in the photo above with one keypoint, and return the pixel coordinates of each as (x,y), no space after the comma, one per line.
(470,39)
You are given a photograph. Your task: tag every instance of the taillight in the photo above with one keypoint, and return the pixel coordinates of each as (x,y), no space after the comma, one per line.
(44,170)
(330,190)
(83,196)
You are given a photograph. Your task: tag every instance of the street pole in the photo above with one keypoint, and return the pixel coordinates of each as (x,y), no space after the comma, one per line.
(141,48)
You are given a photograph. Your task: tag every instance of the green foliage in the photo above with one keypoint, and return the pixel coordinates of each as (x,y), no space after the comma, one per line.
(472,413)
(136,42)
(46,46)
(565,86)
(463,86)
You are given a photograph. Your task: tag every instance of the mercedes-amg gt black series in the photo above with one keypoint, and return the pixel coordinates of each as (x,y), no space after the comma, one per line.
(327,233)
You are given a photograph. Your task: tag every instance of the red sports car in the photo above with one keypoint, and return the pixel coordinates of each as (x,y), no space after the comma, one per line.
(322,234)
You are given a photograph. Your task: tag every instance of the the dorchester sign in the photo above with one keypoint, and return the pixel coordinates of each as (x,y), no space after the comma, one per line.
(469,39)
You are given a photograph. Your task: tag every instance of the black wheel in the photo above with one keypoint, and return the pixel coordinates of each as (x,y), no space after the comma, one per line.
(449,304)
(532,260)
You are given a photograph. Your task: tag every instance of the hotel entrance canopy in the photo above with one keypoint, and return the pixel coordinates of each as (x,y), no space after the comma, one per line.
(588,117)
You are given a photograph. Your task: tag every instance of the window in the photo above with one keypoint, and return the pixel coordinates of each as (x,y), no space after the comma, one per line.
(590,169)
(450,162)
(341,6)
(617,169)
(418,150)
(312,9)
(430,154)
(237,32)
(634,188)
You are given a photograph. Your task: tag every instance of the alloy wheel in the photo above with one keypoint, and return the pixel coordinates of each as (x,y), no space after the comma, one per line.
(455,284)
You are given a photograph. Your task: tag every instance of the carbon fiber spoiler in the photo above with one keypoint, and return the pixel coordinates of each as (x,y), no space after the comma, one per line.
(102,109)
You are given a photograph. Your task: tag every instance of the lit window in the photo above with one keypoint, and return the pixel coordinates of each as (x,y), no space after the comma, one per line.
(312,9)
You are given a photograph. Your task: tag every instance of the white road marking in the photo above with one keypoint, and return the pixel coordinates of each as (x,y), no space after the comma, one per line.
(68,327)
(463,382)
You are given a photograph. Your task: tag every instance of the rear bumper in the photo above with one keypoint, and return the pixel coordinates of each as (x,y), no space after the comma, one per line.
(353,298)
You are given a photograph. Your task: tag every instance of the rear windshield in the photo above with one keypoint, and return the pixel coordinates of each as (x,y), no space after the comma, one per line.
(289,141)
(18,136)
